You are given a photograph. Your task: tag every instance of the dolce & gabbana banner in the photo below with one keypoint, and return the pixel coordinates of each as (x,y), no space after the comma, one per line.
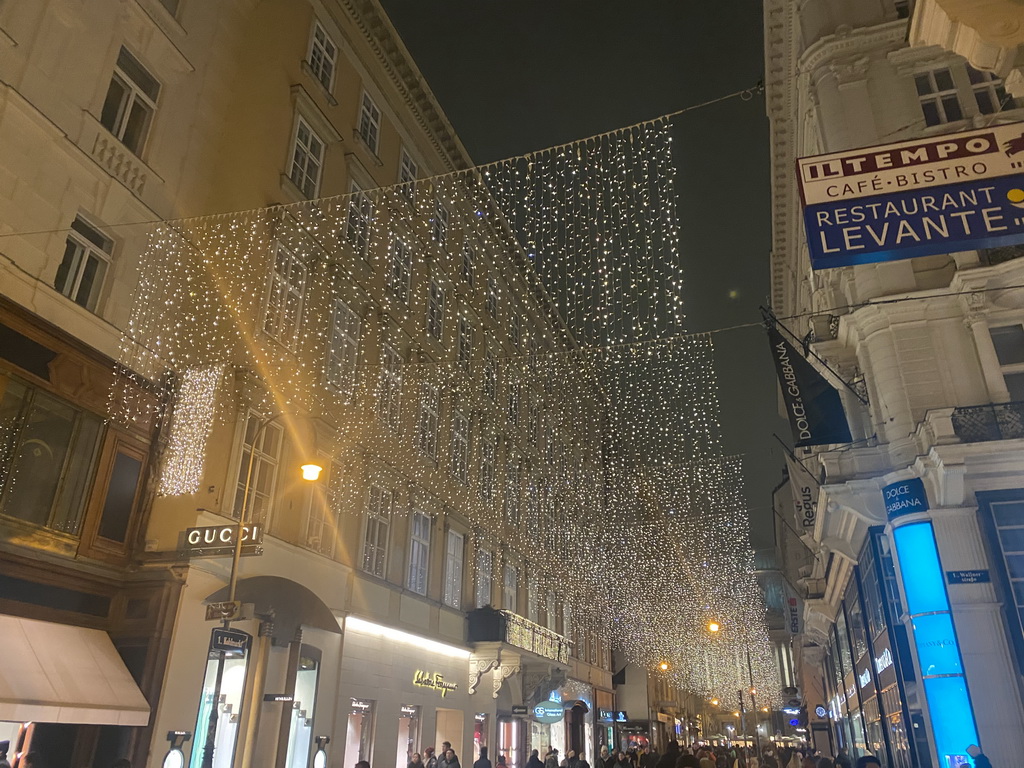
(813,406)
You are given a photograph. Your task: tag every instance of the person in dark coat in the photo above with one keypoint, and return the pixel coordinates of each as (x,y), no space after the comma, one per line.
(668,760)
(483,762)
(980,758)
(451,760)
(551,758)
(429,758)
(606,759)
(535,761)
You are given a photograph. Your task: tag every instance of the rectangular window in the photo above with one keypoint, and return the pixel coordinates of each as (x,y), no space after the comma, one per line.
(343,351)
(84,266)
(439,224)
(430,407)
(378,524)
(265,455)
(989,93)
(513,404)
(515,330)
(47,457)
(400,271)
(357,225)
(534,426)
(435,311)
(307,159)
(453,569)
(407,173)
(487,469)
(484,564)
(460,447)
(902,12)
(323,56)
(490,377)
(1008,341)
(512,491)
(419,552)
(938,95)
(287,294)
(389,394)
(491,300)
(533,601)
(369,123)
(322,523)
(464,350)
(567,628)
(510,588)
(549,611)
(130,102)
(469,266)
(1007,524)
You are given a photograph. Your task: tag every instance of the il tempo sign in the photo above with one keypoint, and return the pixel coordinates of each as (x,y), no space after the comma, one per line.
(939,195)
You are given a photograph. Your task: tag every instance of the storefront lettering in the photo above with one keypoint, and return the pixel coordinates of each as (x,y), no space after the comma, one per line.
(884,661)
(222,534)
(864,678)
(435,681)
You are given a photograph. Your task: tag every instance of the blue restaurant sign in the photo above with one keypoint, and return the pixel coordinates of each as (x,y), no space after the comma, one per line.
(938,195)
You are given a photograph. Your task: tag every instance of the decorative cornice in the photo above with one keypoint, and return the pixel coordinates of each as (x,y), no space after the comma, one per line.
(369,17)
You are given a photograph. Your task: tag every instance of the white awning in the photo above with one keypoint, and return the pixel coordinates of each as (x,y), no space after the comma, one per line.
(57,673)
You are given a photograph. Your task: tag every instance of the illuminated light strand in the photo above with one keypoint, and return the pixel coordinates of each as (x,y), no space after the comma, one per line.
(621,474)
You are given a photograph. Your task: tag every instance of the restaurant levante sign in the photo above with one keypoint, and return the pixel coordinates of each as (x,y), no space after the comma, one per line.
(942,194)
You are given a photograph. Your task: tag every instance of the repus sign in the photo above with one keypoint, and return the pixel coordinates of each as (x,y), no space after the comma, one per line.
(915,198)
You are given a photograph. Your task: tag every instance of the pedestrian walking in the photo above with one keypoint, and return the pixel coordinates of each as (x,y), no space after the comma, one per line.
(416,761)
(980,758)
(451,760)
(551,758)
(534,761)
(482,762)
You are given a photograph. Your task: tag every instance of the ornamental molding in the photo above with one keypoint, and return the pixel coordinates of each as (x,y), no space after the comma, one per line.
(987,34)
(859,40)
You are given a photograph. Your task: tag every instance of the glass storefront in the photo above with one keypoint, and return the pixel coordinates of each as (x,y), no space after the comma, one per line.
(408,734)
(232,688)
(359,734)
(509,740)
(480,722)
(300,736)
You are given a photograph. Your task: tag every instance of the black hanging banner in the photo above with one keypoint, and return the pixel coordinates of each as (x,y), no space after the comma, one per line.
(815,410)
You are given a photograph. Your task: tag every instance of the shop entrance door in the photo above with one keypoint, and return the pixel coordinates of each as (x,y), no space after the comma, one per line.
(576,735)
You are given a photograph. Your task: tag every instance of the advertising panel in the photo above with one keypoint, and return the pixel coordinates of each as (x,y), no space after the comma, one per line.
(915,198)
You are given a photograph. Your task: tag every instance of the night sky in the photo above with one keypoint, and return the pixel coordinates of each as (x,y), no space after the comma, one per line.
(522,75)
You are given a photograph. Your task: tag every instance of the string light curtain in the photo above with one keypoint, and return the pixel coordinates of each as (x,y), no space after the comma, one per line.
(533,307)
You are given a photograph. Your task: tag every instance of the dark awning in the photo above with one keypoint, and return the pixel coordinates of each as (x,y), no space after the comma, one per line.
(291,605)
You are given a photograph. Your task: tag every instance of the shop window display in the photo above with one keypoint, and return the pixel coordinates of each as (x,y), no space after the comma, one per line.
(359,734)
(300,736)
(232,690)
(408,734)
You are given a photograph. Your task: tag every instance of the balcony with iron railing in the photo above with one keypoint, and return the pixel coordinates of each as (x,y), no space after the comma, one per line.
(981,423)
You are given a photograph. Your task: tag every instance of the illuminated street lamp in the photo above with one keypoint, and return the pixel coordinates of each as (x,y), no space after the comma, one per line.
(663,666)
(714,626)
(310,471)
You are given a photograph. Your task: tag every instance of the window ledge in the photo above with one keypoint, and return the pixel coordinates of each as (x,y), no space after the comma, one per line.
(323,88)
(361,142)
(290,191)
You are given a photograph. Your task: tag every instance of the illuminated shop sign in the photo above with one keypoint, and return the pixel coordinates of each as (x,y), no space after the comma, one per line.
(884,661)
(434,680)
(914,198)
(219,540)
(905,497)
(612,715)
(548,712)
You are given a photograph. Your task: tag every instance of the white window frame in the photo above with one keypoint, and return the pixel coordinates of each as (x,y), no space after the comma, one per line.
(567,627)
(990,86)
(85,245)
(343,350)
(369,123)
(515,330)
(460,446)
(359,220)
(464,345)
(491,299)
(324,511)
(400,270)
(389,387)
(454,553)
(430,418)
(469,265)
(133,101)
(379,509)
(439,224)
(261,502)
(286,296)
(1006,369)
(307,159)
(484,577)
(322,56)
(408,171)
(487,464)
(510,588)
(940,99)
(533,601)
(420,524)
(513,487)
(435,310)
(550,609)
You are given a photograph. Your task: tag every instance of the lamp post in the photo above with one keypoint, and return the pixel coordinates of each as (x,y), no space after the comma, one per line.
(714,626)
(309,472)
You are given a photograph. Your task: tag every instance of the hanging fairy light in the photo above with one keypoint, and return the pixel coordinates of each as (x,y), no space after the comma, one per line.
(594,416)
